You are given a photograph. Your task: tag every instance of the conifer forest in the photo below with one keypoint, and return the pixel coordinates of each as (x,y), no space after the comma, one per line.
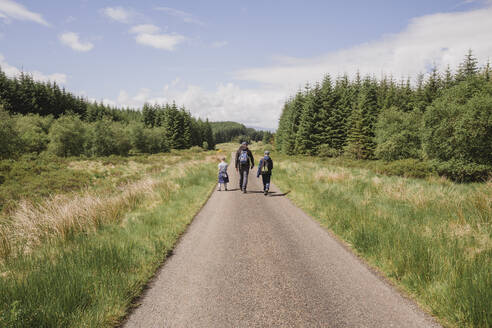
(40,116)
(442,119)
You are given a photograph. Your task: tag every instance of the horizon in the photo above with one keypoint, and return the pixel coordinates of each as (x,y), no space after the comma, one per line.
(229,61)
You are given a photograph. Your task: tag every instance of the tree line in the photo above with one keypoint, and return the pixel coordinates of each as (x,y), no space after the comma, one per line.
(445,118)
(40,116)
(232,131)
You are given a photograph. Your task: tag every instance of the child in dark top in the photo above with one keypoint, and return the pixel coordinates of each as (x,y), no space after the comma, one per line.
(265,169)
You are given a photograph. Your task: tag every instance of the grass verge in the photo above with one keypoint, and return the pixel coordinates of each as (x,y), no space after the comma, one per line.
(89,278)
(430,236)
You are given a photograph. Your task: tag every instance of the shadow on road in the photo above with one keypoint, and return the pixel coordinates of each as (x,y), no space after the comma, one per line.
(277,195)
(270,193)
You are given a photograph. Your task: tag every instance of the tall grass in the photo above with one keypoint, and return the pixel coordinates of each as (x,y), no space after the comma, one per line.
(430,236)
(78,260)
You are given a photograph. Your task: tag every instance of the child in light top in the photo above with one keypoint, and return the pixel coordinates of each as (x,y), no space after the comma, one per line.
(223,176)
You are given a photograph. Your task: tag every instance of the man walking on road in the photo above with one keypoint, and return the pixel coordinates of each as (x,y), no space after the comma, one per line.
(243,159)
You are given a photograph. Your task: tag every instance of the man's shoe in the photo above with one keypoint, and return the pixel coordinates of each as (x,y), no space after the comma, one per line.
(244,191)
(266,192)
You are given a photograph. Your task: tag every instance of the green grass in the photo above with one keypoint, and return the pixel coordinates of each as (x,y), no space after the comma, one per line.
(430,236)
(89,278)
(35,178)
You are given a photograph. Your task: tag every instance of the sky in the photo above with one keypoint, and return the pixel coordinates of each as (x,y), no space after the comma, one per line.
(229,59)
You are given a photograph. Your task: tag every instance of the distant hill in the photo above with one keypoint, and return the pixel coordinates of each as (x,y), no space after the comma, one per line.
(232,131)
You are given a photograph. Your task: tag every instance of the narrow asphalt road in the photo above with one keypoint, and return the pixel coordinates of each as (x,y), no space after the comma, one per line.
(250,260)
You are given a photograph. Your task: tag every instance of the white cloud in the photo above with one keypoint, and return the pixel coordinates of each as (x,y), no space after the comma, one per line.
(219,44)
(118,14)
(72,40)
(145,28)
(123,97)
(70,19)
(13,71)
(142,95)
(253,107)
(227,101)
(148,35)
(160,41)
(439,39)
(184,16)
(12,10)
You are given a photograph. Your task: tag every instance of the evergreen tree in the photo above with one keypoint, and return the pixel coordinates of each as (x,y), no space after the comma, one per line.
(468,68)
(419,100)
(448,78)
(360,138)
(149,114)
(487,72)
(323,103)
(433,86)
(208,135)
(342,108)
(304,138)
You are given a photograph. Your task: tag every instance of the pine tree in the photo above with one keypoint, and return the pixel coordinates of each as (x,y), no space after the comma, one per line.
(448,78)
(289,124)
(468,68)
(486,71)
(283,127)
(360,139)
(208,135)
(5,91)
(186,135)
(172,126)
(391,94)
(433,86)
(342,108)
(324,103)
(419,101)
(304,137)
(149,113)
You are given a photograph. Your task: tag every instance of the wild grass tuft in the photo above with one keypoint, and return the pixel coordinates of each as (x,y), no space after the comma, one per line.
(431,236)
(79,259)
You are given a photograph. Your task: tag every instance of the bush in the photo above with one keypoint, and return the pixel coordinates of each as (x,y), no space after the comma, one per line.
(148,140)
(398,135)
(241,139)
(205,145)
(67,136)
(459,129)
(33,132)
(156,140)
(413,168)
(137,137)
(9,138)
(327,151)
(196,149)
(107,138)
(460,171)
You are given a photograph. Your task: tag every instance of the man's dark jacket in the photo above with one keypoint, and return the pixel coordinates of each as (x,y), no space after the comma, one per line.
(250,156)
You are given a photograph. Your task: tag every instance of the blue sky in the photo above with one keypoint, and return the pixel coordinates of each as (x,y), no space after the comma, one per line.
(231,60)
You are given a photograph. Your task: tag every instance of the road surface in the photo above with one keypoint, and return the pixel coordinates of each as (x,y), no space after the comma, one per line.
(250,260)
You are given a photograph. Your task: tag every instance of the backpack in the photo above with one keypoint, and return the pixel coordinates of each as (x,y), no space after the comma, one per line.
(264,166)
(243,157)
